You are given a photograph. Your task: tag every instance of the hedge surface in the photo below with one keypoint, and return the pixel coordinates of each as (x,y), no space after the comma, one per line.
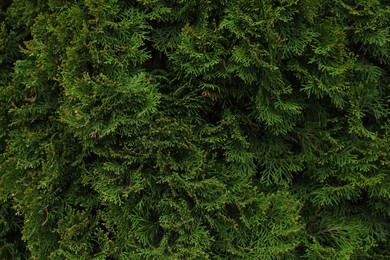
(195,129)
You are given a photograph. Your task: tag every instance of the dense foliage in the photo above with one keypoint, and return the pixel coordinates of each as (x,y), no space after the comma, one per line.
(194,129)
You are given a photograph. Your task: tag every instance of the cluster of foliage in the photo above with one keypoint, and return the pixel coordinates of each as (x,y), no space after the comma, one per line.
(194,129)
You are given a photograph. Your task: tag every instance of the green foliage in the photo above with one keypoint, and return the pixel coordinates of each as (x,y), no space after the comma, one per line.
(194,129)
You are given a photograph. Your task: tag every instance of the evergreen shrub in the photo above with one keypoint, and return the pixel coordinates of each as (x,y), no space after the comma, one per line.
(194,129)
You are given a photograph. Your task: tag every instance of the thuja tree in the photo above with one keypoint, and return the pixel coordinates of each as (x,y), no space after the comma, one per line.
(194,129)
